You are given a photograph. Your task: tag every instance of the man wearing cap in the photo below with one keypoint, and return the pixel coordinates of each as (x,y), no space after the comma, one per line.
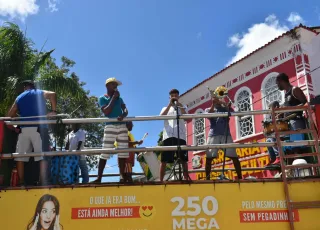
(32,103)
(113,106)
(170,134)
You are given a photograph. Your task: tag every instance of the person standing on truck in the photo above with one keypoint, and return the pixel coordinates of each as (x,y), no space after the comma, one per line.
(273,151)
(170,134)
(30,103)
(130,160)
(294,96)
(217,135)
(75,141)
(113,106)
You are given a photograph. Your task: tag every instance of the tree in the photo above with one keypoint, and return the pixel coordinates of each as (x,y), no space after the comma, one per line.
(20,61)
(82,105)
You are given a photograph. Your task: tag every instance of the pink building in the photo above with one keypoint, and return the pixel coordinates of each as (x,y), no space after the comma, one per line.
(250,81)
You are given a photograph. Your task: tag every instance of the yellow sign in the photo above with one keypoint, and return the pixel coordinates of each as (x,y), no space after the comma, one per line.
(157,207)
(254,157)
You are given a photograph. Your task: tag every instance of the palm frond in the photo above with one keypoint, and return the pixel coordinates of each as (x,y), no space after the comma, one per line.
(63,86)
(42,58)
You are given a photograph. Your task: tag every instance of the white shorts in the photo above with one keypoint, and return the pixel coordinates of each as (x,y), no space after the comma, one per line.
(29,139)
(212,153)
(112,133)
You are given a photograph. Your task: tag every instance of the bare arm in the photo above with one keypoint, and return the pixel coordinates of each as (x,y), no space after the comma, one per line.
(79,145)
(135,142)
(125,110)
(165,112)
(106,109)
(13,110)
(298,93)
(211,110)
(52,97)
(182,109)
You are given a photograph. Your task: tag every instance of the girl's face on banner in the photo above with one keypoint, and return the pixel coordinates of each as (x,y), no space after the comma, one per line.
(48,214)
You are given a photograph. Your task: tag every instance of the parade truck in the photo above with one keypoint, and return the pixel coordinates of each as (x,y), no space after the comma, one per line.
(291,201)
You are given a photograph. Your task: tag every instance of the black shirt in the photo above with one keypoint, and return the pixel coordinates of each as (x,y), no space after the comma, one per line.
(291,100)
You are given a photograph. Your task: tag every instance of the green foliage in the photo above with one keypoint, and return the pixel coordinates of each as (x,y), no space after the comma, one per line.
(20,61)
(160,143)
(81,106)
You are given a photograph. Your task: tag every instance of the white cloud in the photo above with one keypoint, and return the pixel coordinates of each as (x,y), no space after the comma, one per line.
(199,35)
(18,8)
(256,36)
(295,19)
(52,5)
(233,40)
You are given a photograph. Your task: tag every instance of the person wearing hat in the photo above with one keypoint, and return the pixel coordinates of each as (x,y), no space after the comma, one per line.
(32,103)
(113,106)
(170,135)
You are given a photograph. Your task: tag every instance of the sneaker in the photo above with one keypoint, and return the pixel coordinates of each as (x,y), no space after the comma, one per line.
(277,161)
(270,162)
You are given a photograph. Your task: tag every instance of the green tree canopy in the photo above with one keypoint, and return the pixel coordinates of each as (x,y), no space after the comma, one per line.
(20,61)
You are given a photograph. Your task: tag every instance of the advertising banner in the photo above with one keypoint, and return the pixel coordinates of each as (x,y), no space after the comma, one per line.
(249,158)
(158,207)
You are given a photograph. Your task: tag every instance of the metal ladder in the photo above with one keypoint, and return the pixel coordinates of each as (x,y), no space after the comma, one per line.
(291,206)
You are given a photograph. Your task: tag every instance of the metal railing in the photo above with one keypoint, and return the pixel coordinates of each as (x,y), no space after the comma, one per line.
(157,148)
(148,118)
(196,171)
(153,149)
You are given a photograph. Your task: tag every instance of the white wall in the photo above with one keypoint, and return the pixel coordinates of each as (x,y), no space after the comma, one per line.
(313,51)
(263,56)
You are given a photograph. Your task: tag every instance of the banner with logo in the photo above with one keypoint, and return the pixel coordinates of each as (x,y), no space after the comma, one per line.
(158,207)
(253,157)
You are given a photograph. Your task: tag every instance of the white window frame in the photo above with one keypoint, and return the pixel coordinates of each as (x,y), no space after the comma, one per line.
(237,119)
(193,126)
(263,86)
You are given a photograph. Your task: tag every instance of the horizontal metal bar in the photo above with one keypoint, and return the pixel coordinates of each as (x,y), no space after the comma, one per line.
(153,149)
(233,169)
(44,116)
(149,118)
(302,131)
(116,174)
(191,171)
(291,109)
(301,155)
(305,204)
(104,119)
(298,143)
(302,166)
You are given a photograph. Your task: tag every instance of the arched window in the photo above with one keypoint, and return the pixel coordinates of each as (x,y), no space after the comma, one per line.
(199,129)
(243,100)
(270,90)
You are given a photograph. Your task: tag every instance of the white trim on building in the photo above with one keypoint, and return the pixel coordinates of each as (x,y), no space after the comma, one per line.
(248,127)
(202,134)
(268,86)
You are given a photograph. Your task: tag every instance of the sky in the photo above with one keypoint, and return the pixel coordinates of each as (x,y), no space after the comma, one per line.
(153,46)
